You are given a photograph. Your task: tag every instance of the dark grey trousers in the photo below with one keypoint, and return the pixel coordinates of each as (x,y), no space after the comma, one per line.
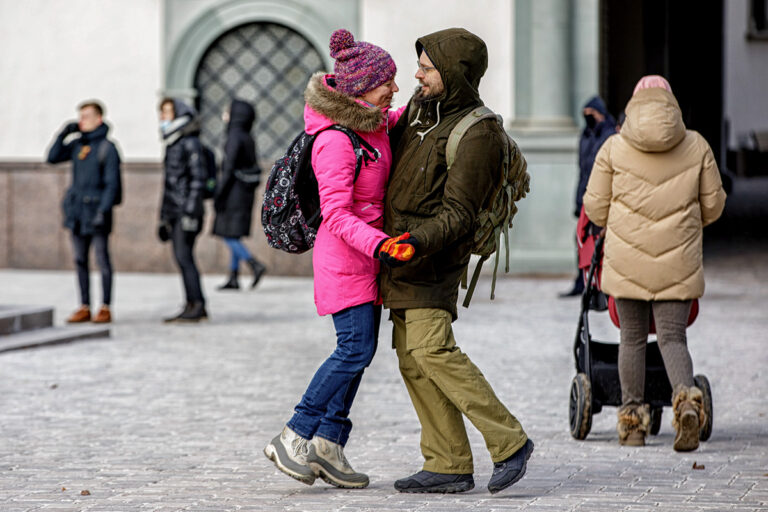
(671,318)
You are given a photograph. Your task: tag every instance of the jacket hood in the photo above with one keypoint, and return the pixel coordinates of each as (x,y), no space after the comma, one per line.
(654,121)
(461,58)
(597,103)
(241,115)
(326,106)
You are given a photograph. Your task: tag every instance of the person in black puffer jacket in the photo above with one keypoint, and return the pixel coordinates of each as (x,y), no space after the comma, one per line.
(181,211)
(240,176)
(88,203)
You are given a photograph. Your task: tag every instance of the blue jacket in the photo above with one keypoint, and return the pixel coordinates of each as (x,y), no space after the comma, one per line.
(94,188)
(592,139)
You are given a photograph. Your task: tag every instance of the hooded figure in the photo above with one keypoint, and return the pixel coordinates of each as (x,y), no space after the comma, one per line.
(654,187)
(437,209)
(592,138)
(239,178)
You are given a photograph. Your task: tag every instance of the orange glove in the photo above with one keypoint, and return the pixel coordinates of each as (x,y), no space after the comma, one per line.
(396,251)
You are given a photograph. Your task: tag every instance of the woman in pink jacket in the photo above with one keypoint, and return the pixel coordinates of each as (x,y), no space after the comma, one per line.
(346,254)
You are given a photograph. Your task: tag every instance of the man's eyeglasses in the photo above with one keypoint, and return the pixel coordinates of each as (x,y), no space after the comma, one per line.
(424,69)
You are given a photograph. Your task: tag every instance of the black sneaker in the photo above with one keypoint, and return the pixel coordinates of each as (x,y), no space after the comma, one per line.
(509,471)
(427,481)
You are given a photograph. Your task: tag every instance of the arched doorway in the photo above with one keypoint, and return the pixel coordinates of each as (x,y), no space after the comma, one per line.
(267,65)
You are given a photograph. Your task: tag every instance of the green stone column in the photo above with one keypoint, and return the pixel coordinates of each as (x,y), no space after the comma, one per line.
(547,49)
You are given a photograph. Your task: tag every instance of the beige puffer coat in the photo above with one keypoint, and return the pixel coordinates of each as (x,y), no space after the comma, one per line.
(654,187)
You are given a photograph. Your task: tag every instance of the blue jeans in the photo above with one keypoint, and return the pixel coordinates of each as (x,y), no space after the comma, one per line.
(239,252)
(324,408)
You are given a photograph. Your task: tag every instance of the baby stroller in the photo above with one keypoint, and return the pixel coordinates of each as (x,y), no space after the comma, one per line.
(597,372)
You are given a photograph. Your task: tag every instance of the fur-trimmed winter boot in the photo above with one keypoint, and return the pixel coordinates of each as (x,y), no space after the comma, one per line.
(634,421)
(688,406)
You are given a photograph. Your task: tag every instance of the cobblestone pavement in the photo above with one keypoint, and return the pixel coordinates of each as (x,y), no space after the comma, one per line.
(174,418)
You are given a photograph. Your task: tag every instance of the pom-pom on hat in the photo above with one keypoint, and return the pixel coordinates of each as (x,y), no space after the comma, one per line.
(360,66)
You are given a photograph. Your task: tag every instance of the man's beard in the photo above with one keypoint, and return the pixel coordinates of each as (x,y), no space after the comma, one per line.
(420,97)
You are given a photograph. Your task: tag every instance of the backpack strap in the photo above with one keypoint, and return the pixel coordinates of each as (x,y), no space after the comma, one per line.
(364,154)
(102,152)
(458,131)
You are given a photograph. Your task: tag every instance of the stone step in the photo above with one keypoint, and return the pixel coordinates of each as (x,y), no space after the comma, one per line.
(15,319)
(51,336)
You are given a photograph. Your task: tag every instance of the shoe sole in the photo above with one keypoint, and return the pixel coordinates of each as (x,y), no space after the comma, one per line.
(271,451)
(326,474)
(192,320)
(689,433)
(519,475)
(441,489)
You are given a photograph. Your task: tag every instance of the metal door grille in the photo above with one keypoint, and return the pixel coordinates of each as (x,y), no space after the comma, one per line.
(267,65)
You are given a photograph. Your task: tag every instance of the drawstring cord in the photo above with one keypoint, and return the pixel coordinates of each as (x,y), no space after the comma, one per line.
(424,133)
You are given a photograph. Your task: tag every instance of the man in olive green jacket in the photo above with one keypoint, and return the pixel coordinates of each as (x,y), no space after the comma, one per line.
(438,208)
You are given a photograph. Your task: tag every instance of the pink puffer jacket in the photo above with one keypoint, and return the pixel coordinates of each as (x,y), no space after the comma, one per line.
(344,265)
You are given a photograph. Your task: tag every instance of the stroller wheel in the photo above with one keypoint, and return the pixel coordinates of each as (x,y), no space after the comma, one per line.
(580,410)
(655,420)
(703,384)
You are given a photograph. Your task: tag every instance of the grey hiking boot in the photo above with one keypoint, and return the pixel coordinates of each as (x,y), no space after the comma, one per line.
(289,453)
(329,463)
(429,481)
(510,470)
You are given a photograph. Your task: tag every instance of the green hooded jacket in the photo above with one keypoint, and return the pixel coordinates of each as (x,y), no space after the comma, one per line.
(435,206)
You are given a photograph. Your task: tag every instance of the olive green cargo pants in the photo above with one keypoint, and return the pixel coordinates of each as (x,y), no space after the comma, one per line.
(444,384)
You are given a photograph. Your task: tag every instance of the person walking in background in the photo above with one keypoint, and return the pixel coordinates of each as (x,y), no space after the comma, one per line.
(233,200)
(435,210)
(181,210)
(599,126)
(654,187)
(87,206)
(357,97)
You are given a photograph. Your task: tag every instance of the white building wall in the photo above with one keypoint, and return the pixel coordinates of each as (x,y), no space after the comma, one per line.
(746,75)
(56,54)
(396,24)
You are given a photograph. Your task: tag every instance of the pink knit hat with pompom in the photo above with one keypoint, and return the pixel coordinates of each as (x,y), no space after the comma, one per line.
(360,66)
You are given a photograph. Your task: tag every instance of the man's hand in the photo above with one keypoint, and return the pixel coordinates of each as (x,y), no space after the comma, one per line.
(396,251)
(70,127)
(98,220)
(189,224)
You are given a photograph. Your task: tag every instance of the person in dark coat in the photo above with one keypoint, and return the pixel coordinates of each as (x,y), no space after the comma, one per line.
(240,175)
(181,211)
(88,203)
(600,125)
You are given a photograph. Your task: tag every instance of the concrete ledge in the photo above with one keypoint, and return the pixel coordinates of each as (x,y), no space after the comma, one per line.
(51,336)
(15,319)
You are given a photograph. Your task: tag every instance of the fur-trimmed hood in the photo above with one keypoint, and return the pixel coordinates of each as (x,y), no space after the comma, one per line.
(335,107)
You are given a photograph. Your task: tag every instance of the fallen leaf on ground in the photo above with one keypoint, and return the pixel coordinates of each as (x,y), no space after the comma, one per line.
(85,493)
(698,466)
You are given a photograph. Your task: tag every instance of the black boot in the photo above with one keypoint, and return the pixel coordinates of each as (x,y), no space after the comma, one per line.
(195,313)
(178,315)
(258,271)
(232,284)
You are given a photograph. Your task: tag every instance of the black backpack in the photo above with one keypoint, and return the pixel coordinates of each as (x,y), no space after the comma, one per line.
(102,158)
(291,213)
(209,161)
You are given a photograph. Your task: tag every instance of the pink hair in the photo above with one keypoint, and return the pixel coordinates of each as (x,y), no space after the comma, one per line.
(649,81)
